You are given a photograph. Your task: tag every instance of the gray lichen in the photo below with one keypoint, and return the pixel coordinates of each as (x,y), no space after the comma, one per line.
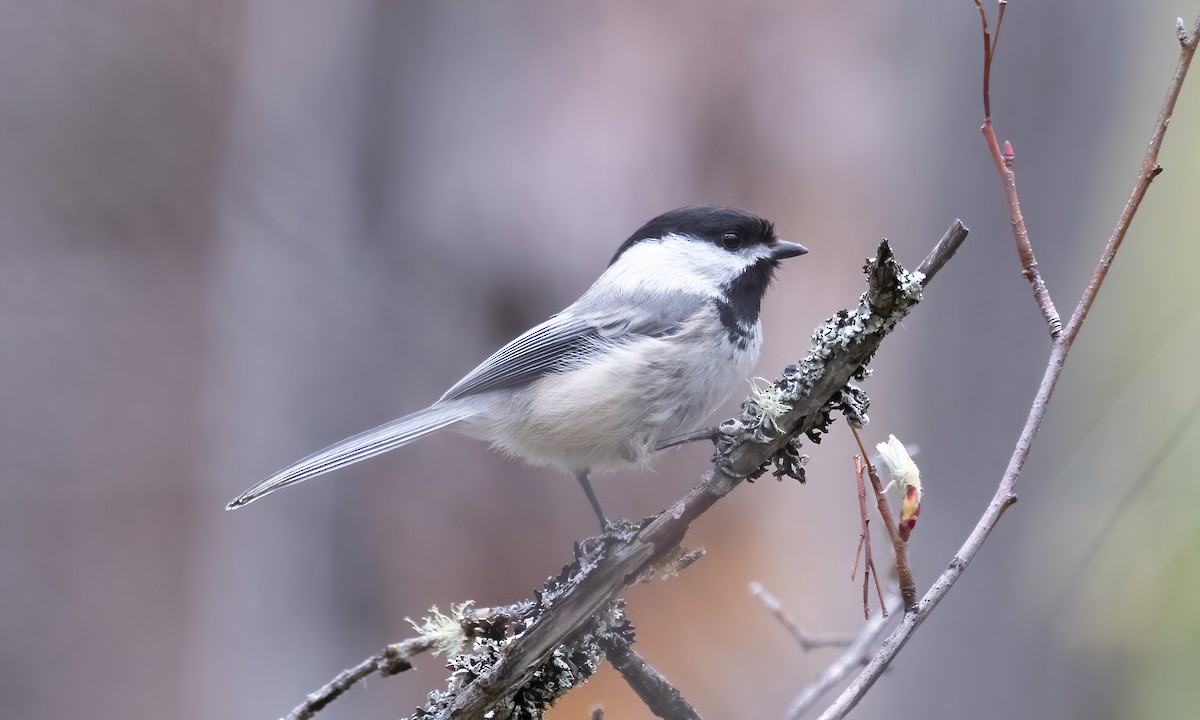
(893,291)
(569,664)
(841,348)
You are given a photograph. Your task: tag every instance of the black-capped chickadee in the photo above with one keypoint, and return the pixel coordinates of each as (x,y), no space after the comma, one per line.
(647,353)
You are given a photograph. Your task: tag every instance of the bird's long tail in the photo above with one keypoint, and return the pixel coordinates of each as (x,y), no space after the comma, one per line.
(360,447)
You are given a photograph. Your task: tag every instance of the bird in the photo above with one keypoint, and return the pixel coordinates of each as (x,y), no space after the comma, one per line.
(647,353)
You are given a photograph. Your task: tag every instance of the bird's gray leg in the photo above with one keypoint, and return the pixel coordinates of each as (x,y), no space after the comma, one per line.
(582,477)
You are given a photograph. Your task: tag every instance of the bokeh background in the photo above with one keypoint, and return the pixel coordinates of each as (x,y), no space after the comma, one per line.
(235,231)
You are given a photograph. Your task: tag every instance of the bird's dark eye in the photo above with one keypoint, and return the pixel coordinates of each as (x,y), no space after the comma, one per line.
(731,241)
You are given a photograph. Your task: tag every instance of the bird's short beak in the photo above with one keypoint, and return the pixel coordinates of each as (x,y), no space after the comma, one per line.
(781,249)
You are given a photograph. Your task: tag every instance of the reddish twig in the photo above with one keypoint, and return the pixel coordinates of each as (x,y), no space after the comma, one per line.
(1004,165)
(908,588)
(1004,496)
(864,547)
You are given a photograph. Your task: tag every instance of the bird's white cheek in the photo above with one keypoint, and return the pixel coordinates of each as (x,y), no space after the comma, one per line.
(674,264)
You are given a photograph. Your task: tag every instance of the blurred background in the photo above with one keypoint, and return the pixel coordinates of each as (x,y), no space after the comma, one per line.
(236,231)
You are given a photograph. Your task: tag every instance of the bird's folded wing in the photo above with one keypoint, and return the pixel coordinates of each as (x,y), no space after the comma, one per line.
(571,335)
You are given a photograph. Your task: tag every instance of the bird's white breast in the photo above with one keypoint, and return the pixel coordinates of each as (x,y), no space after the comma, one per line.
(613,410)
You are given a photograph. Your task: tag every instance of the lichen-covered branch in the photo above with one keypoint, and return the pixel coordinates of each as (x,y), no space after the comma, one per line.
(521,660)
(464,623)
(908,587)
(659,695)
(569,663)
(813,388)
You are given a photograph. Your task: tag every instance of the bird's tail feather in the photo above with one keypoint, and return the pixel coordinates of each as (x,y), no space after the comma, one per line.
(360,447)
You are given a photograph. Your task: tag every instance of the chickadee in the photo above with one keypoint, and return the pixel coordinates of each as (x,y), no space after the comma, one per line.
(648,352)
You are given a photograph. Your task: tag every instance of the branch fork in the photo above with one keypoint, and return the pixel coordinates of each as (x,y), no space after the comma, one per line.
(1005,496)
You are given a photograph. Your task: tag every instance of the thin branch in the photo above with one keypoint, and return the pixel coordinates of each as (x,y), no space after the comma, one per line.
(655,690)
(1004,496)
(392,660)
(397,658)
(1150,170)
(987,61)
(999,21)
(864,546)
(908,589)
(945,248)
(1029,264)
(1004,165)
(855,656)
(840,353)
(806,640)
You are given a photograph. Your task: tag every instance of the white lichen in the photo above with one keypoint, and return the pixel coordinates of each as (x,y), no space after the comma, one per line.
(444,631)
(770,398)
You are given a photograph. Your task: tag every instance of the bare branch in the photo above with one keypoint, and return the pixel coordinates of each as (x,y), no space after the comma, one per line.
(908,589)
(1029,264)
(651,686)
(1004,165)
(987,61)
(806,640)
(1150,170)
(391,660)
(1004,496)
(943,250)
(855,656)
(864,545)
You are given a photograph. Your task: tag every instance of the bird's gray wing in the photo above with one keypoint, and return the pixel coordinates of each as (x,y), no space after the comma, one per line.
(579,330)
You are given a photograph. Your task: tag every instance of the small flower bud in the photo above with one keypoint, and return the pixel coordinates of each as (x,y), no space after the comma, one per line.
(907,477)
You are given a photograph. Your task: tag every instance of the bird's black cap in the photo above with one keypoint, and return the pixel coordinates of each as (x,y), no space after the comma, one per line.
(709,223)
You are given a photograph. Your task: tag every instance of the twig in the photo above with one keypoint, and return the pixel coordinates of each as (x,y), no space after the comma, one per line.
(842,354)
(397,658)
(864,547)
(1004,166)
(1150,170)
(855,656)
(1004,496)
(391,660)
(806,640)
(908,589)
(655,690)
